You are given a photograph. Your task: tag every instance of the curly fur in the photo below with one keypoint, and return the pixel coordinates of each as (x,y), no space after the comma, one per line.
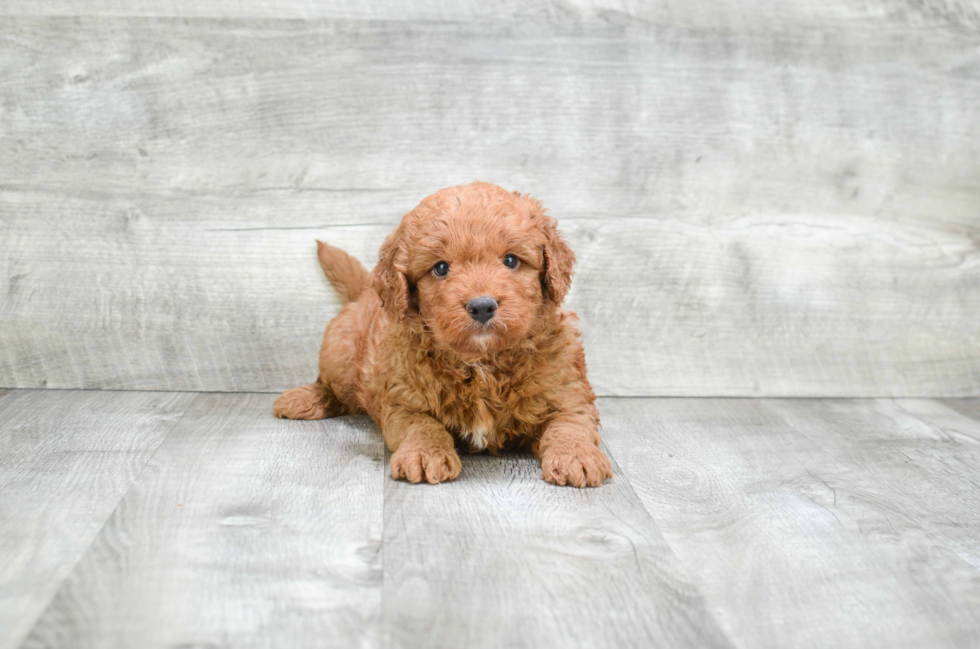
(405,351)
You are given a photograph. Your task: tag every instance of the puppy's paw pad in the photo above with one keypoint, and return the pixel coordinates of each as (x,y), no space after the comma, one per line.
(432,464)
(578,466)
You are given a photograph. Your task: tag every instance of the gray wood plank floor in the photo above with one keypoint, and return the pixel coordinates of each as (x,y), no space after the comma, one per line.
(166,520)
(815,522)
(66,458)
(243,530)
(503,559)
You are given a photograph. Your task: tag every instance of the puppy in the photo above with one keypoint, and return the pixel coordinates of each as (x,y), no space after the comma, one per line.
(459,336)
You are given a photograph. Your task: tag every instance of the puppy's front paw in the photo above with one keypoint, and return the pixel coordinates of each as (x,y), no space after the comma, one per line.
(582,465)
(432,464)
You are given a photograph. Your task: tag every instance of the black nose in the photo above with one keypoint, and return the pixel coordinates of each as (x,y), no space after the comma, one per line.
(482,308)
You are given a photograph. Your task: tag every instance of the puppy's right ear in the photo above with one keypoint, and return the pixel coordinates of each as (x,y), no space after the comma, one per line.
(389,279)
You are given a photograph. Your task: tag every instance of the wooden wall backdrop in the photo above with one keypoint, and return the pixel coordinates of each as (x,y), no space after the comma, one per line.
(774,197)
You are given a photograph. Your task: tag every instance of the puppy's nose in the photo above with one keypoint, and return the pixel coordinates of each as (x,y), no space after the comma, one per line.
(482,308)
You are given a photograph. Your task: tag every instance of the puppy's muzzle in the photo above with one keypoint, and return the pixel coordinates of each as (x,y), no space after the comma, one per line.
(482,308)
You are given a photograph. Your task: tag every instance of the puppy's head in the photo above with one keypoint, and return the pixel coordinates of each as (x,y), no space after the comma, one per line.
(475,263)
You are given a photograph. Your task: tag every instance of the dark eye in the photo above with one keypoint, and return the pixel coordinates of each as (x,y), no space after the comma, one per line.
(510,261)
(441,269)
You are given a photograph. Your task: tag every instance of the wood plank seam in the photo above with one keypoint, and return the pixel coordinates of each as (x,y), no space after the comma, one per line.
(81,555)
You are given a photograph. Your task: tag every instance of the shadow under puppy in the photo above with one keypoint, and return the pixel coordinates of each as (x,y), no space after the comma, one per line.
(460,334)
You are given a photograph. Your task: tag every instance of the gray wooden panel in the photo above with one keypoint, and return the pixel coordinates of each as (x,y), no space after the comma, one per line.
(729,14)
(768,211)
(499,558)
(66,458)
(243,531)
(815,523)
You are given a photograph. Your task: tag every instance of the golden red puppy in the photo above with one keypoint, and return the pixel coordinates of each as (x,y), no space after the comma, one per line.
(460,335)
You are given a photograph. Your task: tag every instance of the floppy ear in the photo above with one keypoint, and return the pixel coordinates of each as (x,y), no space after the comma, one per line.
(558,262)
(556,273)
(388,280)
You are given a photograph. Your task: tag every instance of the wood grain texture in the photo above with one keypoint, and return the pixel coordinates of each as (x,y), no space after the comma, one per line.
(66,459)
(730,522)
(499,558)
(786,207)
(242,531)
(831,523)
(731,14)
(969,408)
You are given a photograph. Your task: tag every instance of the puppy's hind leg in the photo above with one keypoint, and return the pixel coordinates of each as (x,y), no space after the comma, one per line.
(310,401)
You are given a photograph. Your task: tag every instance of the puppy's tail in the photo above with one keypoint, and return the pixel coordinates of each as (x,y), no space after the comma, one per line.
(346,274)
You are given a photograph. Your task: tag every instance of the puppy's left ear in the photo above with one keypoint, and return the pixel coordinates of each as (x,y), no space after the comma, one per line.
(558,262)
(388,279)
(556,273)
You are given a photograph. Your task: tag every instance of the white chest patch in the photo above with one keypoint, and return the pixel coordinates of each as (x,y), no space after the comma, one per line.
(480,428)
(477,437)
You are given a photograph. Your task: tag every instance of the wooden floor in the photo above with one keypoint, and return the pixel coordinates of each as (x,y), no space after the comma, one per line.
(151,519)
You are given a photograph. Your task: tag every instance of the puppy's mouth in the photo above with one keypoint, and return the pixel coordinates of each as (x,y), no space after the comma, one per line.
(484,337)
(472,337)
(480,338)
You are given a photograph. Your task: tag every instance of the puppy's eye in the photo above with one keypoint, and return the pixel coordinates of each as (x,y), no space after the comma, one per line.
(441,269)
(510,261)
